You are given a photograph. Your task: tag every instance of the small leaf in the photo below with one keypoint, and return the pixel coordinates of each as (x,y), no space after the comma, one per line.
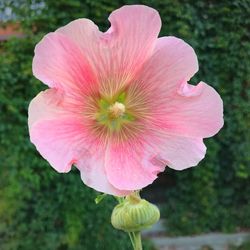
(99,198)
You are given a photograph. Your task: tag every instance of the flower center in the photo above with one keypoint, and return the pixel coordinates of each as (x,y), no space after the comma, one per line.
(113,114)
(117,110)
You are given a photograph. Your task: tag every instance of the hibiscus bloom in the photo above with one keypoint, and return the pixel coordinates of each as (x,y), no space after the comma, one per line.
(118,105)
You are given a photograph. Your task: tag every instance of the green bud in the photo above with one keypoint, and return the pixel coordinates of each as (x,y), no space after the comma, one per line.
(134,214)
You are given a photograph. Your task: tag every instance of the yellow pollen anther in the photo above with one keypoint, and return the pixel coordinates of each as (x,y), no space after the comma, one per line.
(117,109)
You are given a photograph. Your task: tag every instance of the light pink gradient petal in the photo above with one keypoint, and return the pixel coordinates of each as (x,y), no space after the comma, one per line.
(46,106)
(136,165)
(87,37)
(120,51)
(182,153)
(178,107)
(57,141)
(193,111)
(59,63)
(177,152)
(84,34)
(93,172)
(54,129)
(172,62)
(62,139)
(129,166)
(133,34)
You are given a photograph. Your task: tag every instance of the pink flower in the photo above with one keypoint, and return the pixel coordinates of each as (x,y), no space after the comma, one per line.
(118,105)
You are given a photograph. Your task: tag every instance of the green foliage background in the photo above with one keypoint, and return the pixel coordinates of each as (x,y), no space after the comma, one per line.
(42,209)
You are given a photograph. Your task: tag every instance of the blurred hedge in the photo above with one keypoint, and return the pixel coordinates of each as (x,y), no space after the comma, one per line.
(42,209)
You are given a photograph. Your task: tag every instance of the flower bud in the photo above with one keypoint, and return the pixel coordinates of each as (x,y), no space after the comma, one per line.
(134,214)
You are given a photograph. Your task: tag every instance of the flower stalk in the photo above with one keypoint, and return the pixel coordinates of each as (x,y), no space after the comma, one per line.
(138,242)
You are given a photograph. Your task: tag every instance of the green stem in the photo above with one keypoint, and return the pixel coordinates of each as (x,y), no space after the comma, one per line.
(131,236)
(135,238)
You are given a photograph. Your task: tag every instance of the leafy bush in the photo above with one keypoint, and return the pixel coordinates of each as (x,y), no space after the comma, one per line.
(42,209)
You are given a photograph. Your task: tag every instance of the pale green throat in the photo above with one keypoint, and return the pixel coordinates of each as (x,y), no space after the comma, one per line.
(113,112)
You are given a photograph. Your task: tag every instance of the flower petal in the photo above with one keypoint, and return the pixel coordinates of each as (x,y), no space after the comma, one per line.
(194,111)
(178,152)
(134,165)
(52,129)
(172,62)
(177,107)
(62,139)
(86,36)
(133,34)
(55,129)
(47,105)
(59,63)
(118,53)
(128,166)
(93,173)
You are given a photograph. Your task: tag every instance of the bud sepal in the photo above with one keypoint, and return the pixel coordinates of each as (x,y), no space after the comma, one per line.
(134,214)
